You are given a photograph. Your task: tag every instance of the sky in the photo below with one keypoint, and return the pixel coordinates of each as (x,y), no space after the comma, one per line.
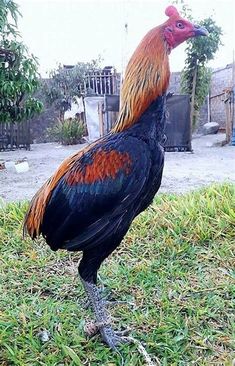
(70,31)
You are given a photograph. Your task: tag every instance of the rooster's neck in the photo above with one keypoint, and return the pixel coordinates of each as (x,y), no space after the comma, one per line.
(146,78)
(150,126)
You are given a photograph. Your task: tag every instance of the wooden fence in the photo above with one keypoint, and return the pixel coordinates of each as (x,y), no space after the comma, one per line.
(102,82)
(14,135)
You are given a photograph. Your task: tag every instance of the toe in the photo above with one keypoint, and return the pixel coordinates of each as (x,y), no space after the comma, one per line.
(111,338)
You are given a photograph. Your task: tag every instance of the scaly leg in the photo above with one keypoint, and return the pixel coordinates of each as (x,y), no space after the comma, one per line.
(109,300)
(108,335)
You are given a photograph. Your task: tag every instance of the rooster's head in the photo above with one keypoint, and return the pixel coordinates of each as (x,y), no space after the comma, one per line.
(177,29)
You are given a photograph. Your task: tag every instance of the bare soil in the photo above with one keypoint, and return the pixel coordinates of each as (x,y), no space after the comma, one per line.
(184,171)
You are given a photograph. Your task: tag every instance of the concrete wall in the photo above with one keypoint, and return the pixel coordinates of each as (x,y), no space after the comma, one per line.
(221,80)
(174,86)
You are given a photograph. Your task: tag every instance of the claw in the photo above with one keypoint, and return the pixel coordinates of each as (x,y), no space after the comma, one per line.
(108,335)
(123,333)
(111,338)
(113,303)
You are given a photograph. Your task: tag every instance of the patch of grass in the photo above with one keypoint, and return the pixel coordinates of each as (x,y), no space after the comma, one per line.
(176,264)
(67,132)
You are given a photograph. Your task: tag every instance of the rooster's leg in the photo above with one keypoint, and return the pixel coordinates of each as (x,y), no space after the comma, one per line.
(108,335)
(109,299)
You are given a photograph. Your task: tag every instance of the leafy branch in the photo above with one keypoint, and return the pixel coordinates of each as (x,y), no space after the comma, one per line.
(196,76)
(19,77)
(66,83)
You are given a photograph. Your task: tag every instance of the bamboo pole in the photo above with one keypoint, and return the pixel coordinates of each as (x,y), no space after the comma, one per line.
(192,105)
(228,109)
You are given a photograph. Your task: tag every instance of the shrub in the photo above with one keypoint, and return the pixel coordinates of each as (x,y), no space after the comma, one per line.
(67,132)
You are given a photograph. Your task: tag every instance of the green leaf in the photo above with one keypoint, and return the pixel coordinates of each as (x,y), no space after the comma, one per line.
(70,352)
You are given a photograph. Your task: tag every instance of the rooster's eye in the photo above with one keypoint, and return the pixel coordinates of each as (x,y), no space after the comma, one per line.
(180,25)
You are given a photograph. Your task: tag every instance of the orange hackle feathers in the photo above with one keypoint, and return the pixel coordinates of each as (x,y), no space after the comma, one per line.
(146,77)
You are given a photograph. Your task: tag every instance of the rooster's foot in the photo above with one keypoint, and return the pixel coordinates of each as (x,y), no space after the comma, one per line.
(102,323)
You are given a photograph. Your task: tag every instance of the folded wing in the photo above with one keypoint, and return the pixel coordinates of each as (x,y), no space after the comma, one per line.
(97,195)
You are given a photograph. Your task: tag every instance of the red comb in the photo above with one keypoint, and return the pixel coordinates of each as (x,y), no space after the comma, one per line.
(171,10)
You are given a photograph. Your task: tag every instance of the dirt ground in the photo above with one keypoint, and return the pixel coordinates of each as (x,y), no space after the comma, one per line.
(183,171)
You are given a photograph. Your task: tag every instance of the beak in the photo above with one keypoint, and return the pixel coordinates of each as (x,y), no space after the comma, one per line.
(200,31)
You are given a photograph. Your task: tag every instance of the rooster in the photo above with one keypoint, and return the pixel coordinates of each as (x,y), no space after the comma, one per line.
(91,200)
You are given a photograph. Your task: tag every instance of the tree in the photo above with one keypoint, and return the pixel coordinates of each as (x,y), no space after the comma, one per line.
(67,82)
(196,76)
(19,77)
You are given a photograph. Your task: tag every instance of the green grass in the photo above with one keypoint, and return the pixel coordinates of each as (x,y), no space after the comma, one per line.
(176,263)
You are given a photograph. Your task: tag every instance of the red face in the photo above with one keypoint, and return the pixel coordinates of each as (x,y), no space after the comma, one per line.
(178,30)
